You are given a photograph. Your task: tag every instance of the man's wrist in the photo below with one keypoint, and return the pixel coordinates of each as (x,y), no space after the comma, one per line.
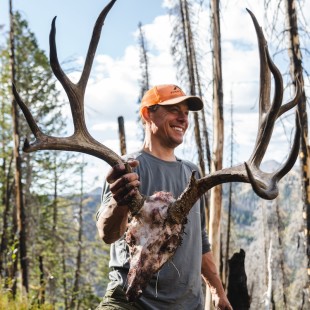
(121,210)
(116,209)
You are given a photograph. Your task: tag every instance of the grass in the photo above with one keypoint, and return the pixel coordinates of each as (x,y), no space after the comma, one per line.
(8,303)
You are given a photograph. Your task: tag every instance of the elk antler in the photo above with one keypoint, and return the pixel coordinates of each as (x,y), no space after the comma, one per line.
(264,184)
(80,140)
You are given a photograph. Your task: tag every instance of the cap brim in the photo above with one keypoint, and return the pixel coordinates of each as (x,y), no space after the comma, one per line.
(194,103)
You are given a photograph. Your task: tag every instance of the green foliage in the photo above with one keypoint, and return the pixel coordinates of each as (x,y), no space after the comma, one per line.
(52,231)
(8,303)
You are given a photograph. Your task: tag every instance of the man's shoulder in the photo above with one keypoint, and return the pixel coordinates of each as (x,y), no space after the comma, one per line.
(135,155)
(190,164)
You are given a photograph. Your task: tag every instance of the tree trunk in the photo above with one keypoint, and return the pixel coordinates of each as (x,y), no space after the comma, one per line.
(225,273)
(218,137)
(76,285)
(218,132)
(144,62)
(192,77)
(55,198)
(6,201)
(20,210)
(216,192)
(145,74)
(269,302)
(42,281)
(297,73)
(237,294)
(64,271)
(122,136)
(5,192)
(281,255)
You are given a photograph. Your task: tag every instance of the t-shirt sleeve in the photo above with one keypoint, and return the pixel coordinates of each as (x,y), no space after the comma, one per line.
(206,247)
(105,198)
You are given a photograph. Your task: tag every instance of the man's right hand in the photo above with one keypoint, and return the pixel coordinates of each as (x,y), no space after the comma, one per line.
(123,185)
(112,221)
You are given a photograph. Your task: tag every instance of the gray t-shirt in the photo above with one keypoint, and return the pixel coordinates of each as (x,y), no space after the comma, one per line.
(178,283)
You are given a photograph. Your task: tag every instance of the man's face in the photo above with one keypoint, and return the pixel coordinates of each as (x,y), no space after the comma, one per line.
(169,124)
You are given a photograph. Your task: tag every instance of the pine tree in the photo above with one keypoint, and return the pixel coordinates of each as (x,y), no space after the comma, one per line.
(34,79)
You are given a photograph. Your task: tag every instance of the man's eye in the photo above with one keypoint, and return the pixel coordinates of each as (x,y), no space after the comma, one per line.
(174,110)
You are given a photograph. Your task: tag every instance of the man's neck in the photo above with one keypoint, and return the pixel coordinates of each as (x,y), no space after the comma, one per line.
(163,154)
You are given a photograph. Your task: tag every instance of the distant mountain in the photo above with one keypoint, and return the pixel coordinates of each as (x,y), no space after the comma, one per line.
(95,192)
(270,165)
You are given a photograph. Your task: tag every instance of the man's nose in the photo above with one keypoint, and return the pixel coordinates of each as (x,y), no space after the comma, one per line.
(182,116)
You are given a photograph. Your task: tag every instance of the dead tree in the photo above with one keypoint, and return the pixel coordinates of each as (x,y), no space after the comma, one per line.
(144,63)
(149,254)
(19,200)
(296,70)
(230,193)
(122,136)
(184,51)
(144,81)
(77,277)
(237,291)
(218,132)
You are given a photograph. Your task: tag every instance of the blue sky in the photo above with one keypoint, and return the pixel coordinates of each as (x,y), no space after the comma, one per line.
(75,20)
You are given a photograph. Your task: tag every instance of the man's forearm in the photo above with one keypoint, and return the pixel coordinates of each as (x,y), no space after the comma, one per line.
(210,275)
(112,222)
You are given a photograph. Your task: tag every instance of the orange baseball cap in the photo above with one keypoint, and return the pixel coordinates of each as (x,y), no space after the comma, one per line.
(169,94)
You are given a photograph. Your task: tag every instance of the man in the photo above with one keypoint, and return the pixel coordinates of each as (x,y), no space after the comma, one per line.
(164,111)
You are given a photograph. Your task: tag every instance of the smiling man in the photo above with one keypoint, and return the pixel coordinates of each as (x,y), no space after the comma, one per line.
(164,111)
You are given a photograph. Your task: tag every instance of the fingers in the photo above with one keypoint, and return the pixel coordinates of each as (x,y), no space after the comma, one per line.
(125,188)
(133,162)
(224,305)
(123,184)
(118,170)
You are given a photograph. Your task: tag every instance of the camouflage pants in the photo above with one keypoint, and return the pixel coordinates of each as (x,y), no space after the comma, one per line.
(115,299)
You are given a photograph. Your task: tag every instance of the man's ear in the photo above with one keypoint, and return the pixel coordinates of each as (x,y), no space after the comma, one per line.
(145,114)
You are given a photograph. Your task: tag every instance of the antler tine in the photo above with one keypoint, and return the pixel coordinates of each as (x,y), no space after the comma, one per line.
(75,92)
(289,163)
(268,114)
(267,118)
(60,75)
(93,44)
(270,191)
(265,76)
(289,105)
(31,122)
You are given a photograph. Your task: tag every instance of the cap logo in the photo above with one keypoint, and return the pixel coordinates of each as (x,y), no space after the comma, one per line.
(176,89)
